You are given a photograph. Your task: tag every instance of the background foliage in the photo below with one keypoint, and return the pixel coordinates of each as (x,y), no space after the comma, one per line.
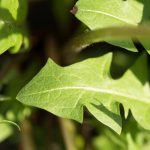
(109,81)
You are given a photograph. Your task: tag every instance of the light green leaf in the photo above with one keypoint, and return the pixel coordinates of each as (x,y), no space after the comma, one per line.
(108,13)
(12,20)
(5,131)
(9,122)
(65,91)
(145,20)
(6,128)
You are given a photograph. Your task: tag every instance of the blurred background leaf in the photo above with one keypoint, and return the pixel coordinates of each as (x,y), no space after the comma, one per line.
(50,26)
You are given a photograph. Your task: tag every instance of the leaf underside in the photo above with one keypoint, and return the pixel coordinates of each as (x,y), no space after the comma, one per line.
(64,91)
(109,13)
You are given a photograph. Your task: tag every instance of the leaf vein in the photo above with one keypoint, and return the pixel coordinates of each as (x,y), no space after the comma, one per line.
(88,89)
(107,14)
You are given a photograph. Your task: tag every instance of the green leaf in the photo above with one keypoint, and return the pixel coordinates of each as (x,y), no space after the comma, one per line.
(6,128)
(12,20)
(6,131)
(9,122)
(64,91)
(101,14)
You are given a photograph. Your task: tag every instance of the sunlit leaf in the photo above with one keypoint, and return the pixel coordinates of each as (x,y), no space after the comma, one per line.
(65,91)
(101,14)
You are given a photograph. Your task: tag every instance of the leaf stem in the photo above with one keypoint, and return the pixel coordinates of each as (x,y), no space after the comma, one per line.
(107,34)
(68,131)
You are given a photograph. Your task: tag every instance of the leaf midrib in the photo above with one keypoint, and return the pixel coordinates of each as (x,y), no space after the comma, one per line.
(109,15)
(111,92)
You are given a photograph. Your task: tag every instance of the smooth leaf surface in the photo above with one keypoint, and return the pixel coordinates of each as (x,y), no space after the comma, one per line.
(101,14)
(64,91)
(12,20)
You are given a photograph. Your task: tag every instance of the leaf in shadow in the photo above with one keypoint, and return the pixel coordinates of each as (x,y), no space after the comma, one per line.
(109,117)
